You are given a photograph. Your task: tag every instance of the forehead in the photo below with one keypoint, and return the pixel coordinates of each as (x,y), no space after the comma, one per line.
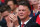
(10,2)
(23,7)
(6,12)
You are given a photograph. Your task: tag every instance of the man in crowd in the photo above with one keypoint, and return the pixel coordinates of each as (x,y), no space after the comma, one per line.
(12,4)
(8,20)
(35,7)
(23,13)
(5,10)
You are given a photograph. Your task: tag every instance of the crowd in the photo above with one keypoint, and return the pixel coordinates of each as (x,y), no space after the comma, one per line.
(19,13)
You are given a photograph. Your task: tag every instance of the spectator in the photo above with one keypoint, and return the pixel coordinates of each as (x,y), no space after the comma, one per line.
(12,4)
(8,19)
(5,10)
(23,13)
(35,7)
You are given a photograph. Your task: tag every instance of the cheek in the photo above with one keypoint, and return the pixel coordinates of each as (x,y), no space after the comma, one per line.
(3,14)
(38,6)
(25,13)
(34,2)
(18,13)
(11,6)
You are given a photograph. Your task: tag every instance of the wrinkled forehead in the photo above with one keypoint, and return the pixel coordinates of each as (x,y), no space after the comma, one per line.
(5,13)
(22,7)
(10,2)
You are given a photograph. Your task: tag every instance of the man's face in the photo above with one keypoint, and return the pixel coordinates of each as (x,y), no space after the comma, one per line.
(39,4)
(23,11)
(5,14)
(34,1)
(11,4)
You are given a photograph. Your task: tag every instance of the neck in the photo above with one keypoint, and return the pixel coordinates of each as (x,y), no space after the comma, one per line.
(35,6)
(23,20)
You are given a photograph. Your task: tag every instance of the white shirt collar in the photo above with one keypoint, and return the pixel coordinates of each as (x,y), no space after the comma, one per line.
(26,21)
(34,11)
(19,26)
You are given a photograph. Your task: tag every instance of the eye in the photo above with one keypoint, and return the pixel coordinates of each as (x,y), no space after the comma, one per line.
(23,10)
(19,10)
(5,15)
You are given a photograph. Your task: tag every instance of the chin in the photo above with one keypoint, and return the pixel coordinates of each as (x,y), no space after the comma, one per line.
(21,17)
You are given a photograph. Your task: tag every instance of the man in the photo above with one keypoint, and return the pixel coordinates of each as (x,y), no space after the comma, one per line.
(23,13)
(5,10)
(8,19)
(35,7)
(12,4)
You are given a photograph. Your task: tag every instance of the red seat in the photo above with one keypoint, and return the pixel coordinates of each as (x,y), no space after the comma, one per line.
(2,1)
(38,19)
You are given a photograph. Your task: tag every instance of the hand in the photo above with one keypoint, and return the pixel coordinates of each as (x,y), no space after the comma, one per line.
(9,23)
(13,17)
(11,20)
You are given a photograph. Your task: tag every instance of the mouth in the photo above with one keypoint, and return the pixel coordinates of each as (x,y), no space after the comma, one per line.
(21,15)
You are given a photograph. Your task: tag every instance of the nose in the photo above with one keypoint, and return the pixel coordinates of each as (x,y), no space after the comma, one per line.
(21,12)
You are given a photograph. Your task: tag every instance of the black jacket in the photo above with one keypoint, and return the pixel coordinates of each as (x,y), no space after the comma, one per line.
(3,23)
(32,23)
